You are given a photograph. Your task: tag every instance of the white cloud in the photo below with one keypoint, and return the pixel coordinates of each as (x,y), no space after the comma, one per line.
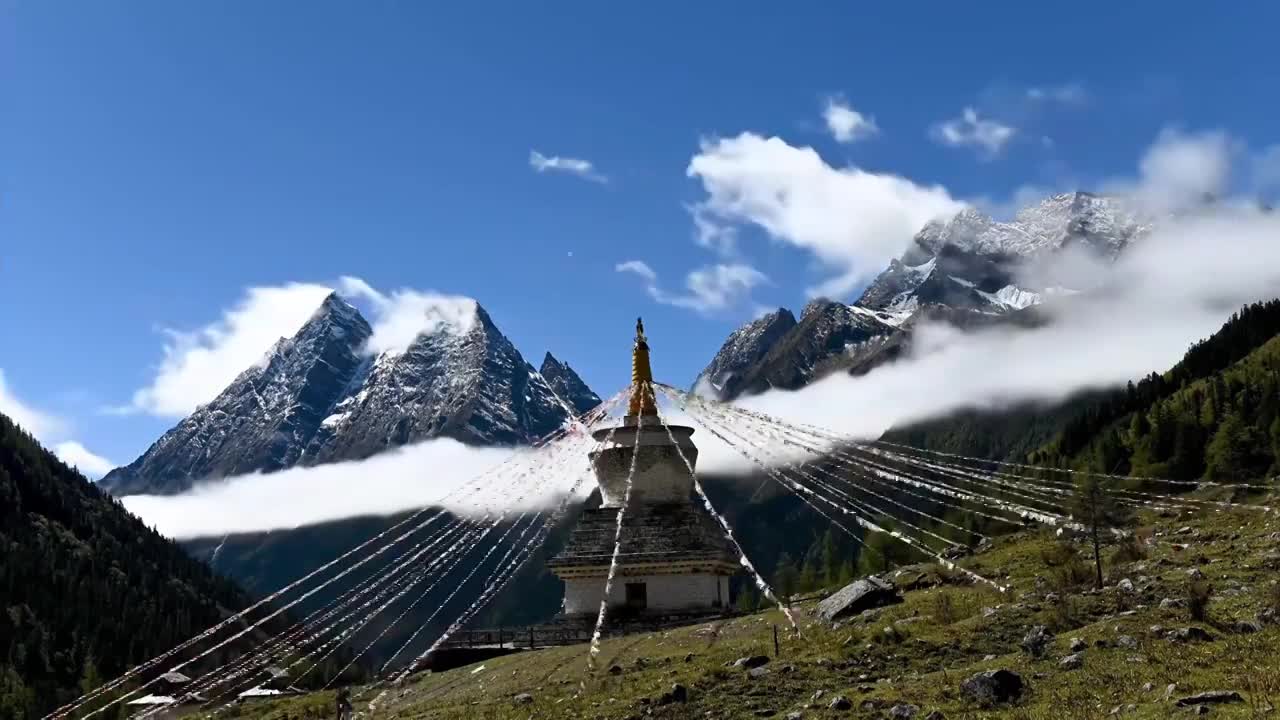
(639,268)
(713,235)
(1065,94)
(1179,170)
(387,483)
(399,318)
(77,455)
(709,289)
(988,136)
(38,423)
(199,364)
(852,220)
(466,480)
(846,124)
(47,427)
(573,166)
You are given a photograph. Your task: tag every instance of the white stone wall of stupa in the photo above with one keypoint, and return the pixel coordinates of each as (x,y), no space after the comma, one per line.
(660,473)
(662,593)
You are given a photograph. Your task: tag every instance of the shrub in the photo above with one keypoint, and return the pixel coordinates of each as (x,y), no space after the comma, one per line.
(1129,550)
(1198,594)
(1072,574)
(952,607)
(1058,554)
(1066,613)
(890,635)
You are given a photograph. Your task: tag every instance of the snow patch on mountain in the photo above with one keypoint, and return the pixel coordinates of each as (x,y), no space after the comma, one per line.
(1107,224)
(1012,297)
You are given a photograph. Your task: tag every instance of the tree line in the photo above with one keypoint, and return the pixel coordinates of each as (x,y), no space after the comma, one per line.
(87,590)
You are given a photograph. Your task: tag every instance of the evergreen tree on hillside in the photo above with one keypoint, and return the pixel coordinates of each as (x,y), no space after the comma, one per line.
(1097,508)
(1234,454)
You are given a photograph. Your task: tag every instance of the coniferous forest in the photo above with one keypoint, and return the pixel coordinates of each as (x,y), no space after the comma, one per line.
(87,591)
(1214,416)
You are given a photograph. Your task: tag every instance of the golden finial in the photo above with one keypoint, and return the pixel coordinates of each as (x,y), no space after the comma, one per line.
(642,402)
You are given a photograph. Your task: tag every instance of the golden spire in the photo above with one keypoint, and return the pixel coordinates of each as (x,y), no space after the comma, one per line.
(641,377)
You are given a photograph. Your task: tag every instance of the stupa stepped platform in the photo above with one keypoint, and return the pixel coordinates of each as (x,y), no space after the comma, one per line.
(677,536)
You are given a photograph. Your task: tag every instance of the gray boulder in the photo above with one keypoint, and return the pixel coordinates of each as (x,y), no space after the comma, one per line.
(993,687)
(858,597)
(1037,640)
(1247,627)
(1190,634)
(903,711)
(1074,661)
(1212,697)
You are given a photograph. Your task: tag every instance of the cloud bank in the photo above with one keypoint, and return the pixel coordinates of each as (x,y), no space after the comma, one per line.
(411,477)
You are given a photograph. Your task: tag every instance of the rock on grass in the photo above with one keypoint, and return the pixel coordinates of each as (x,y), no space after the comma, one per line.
(993,687)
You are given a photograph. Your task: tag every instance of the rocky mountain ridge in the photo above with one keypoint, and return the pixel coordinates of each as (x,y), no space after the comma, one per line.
(319,397)
(969,271)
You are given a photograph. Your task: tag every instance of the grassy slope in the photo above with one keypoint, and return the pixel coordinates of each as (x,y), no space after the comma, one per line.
(926,666)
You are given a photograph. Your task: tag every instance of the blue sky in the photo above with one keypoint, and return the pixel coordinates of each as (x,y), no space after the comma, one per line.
(157,159)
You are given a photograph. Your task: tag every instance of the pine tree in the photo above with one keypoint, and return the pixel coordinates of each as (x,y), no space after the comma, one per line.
(1232,454)
(1097,508)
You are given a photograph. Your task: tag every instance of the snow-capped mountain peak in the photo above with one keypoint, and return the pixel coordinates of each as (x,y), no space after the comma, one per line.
(967,270)
(1105,223)
(745,347)
(566,384)
(321,397)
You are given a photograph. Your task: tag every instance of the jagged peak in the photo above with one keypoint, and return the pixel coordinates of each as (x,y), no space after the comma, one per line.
(817,305)
(549,362)
(775,316)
